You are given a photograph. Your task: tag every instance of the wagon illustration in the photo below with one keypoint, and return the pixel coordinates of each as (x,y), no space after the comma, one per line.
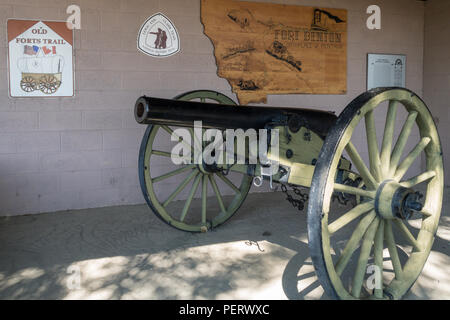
(41,73)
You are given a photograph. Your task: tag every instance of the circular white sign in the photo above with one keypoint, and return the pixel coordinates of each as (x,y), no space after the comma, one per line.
(158,37)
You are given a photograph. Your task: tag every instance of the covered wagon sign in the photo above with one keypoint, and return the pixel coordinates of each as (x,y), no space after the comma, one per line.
(40,59)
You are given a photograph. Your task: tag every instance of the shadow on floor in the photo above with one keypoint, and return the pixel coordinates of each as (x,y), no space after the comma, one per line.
(127,253)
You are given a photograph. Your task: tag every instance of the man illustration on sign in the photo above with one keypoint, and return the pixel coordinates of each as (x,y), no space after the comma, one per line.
(161,38)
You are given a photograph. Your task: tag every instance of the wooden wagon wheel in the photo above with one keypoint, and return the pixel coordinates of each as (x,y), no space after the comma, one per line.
(48,84)
(28,84)
(184,215)
(348,249)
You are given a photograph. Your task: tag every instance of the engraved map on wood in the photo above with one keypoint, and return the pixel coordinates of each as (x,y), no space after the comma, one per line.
(263,48)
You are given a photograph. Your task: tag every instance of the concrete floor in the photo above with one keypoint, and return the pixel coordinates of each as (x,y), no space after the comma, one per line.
(127,253)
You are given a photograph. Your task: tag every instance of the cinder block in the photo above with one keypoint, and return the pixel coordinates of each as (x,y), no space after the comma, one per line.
(90,20)
(127,61)
(18,121)
(131,195)
(128,43)
(141,80)
(119,22)
(8,143)
(105,99)
(8,184)
(152,64)
(129,121)
(99,197)
(61,4)
(122,139)
(81,140)
(102,5)
(196,63)
(210,80)
(82,160)
(38,142)
(39,13)
(37,184)
(178,81)
(78,180)
(107,119)
(6,11)
(357,67)
(185,8)
(88,60)
(120,177)
(94,40)
(95,80)
(6,103)
(37,104)
(195,44)
(18,163)
(16,205)
(139,6)
(59,201)
(60,120)
(189,24)
(130,158)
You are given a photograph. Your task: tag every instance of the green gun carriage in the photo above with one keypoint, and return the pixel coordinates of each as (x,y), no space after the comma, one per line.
(384,217)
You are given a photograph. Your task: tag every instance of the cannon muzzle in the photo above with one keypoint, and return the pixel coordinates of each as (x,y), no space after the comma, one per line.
(149,110)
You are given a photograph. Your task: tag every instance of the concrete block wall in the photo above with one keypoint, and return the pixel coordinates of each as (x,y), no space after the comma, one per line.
(436,76)
(81,152)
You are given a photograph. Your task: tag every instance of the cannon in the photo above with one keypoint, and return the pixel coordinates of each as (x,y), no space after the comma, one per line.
(372,212)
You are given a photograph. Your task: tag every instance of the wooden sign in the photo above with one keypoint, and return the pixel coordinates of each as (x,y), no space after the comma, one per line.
(264,48)
(40,59)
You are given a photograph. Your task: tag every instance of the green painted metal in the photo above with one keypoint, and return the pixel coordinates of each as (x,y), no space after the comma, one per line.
(372,223)
(373,230)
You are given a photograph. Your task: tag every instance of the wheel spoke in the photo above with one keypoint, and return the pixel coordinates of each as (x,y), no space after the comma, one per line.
(217,192)
(161,153)
(372,144)
(197,142)
(360,165)
(190,197)
(366,247)
(388,135)
(378,257)
(401,141)
(350,216)
(418,179)
(425,213)
(352,243)
(404,166)
(407,234)
(172,133)
(229,183)
(172,173)
(356,191)
(390,242)
(204,197)
(180,187)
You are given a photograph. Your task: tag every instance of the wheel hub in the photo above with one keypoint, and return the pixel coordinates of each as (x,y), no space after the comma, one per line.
(395,201)
(207,168)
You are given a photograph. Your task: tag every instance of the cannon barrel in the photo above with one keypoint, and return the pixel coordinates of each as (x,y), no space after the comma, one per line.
(149,110)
